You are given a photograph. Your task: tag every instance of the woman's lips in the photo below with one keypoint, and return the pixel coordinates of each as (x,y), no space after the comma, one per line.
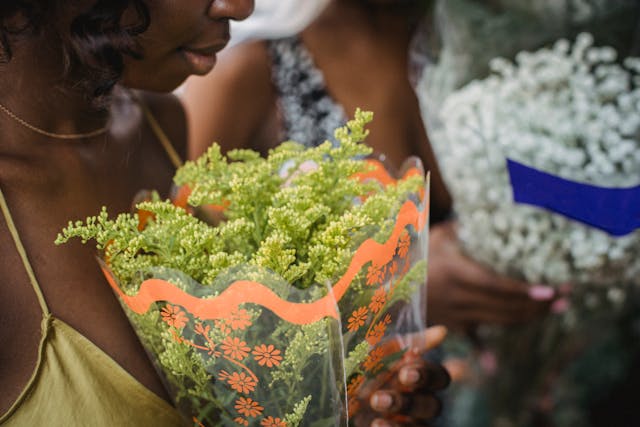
(202,60)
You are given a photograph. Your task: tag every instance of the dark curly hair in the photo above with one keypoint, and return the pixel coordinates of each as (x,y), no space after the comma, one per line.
(94,44)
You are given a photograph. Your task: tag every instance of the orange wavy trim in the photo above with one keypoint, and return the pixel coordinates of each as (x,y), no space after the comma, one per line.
(243,291)
(221,307)
(381,253)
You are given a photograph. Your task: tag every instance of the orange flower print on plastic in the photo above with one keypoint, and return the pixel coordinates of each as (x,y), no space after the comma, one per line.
(378,300)
(273,422)
(197,422)
(357,319)
(387,319)
(235,348)
(222,326)
(248,407)
(374,275)
(267,355)
(172,315)
(372,363)
(240,320)
(354,385)
(202,329)
(241,421)
(403,244)
(374,335)
(241,382)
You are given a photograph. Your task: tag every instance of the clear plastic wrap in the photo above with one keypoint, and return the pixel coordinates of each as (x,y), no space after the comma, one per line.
(277,336)
(520,101)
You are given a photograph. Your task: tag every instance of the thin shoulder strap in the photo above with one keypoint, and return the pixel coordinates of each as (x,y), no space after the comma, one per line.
(23,253)
(160,134)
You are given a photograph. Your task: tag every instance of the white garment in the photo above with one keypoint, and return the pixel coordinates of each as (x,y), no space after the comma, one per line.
(276,19)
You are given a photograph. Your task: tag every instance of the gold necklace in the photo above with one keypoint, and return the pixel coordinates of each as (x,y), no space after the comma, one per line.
(33,128)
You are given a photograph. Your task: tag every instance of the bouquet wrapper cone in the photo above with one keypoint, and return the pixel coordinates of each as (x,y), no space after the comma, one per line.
(252,350)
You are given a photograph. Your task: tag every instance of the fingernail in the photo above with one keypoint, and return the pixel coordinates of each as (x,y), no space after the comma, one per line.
(409,376)
(381,401)
(541,293)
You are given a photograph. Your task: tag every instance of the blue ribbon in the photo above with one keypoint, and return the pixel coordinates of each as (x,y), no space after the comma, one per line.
(614,210)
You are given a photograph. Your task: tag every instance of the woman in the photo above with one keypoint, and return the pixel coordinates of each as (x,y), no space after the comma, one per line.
(354,54)
(72,142)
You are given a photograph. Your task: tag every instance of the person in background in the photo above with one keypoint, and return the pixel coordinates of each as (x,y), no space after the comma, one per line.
(354,54)
(77,136)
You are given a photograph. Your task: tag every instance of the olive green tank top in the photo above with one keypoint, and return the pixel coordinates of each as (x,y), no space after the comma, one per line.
(74,382)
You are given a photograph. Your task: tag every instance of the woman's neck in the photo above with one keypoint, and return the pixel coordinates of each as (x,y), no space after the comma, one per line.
(378,18)
(387,26)
(34,88)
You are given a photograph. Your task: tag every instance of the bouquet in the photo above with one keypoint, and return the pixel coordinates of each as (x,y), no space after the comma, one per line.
(281,287)
(533,109)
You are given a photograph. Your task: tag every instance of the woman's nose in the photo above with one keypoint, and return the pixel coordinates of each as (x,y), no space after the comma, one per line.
(231,9)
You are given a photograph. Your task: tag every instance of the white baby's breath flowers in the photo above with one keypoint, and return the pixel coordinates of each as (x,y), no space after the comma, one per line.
(571,111)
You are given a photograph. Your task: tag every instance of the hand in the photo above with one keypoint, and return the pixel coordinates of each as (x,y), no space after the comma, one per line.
(463,294)
(404,396)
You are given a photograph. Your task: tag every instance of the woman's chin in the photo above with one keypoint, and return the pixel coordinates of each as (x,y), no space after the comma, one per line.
(156,83)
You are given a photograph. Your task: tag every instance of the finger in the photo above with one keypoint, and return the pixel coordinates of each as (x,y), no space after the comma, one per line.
(470,274)
(421,408)
(473,317)
(417,342)
(472,299)
(384,401)
(438,377)
(424,376)
(479,297)
(479,315)
(416,407)
(444,246)
(413,376)
(381,422)
(481,279)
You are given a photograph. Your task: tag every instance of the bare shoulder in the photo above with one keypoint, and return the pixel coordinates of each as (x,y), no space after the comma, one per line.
(233,103)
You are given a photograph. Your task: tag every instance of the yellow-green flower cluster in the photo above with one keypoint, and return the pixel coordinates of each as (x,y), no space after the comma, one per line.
(298,213)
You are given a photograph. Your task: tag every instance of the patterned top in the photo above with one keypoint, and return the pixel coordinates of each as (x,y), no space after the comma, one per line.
(310,115)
